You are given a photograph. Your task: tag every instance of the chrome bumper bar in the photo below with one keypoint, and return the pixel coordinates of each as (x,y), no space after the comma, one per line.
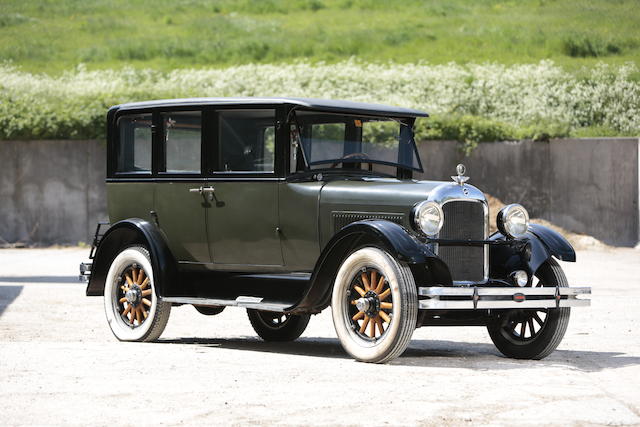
(465,298)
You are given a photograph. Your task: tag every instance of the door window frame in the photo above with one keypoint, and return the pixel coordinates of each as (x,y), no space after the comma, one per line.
(278,160)
(209,145)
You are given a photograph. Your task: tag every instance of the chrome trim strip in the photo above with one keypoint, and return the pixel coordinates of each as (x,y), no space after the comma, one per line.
(434,304)
(242,301)
(491,298)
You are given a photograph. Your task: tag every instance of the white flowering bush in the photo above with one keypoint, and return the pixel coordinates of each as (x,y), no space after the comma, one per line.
(470,103)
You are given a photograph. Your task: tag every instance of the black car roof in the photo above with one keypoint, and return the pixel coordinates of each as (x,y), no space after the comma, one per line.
(307,103)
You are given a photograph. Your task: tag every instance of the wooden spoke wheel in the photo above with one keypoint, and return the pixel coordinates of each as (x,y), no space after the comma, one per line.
(532,333)
(133,311)
(371,305)
(374,305)
(134,295)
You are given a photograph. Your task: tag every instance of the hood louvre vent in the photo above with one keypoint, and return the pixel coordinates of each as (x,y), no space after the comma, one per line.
(342,219)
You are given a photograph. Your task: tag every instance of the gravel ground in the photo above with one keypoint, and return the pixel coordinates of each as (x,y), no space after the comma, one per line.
(60,364)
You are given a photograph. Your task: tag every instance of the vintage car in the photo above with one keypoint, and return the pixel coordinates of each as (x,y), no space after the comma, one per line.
(286,206)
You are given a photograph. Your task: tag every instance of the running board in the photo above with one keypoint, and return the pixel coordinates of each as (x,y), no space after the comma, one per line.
(257,303)
(465,298)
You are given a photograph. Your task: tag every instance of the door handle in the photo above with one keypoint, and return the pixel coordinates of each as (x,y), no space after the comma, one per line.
(202,190)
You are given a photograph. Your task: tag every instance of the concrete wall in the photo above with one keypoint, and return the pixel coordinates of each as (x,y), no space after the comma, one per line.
(53,191)
(588,185)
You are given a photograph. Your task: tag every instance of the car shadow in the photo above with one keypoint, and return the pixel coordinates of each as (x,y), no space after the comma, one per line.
(8,294)
(38,279)
(427,353)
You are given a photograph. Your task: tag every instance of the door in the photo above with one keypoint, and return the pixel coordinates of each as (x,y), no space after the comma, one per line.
(243,217)
(180,205)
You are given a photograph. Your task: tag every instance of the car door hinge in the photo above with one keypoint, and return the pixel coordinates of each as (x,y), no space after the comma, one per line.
(154,216)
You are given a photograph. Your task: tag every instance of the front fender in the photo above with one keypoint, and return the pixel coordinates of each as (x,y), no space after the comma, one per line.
(385,234)
(539,245)
(555,243)
(125,233)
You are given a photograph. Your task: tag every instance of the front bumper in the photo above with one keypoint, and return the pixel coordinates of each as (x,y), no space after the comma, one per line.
(476,297)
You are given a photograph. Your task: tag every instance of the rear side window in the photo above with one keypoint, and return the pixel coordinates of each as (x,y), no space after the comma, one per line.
(247,140)
(134,144)
(182,141)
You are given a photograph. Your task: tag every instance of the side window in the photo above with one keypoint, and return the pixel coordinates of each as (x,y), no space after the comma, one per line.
(247,140)
(134,144)
(182,133)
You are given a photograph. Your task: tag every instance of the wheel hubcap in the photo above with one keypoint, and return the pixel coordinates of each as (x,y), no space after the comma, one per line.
(133,295)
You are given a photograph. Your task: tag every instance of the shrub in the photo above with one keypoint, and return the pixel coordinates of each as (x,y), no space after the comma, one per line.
(472,103)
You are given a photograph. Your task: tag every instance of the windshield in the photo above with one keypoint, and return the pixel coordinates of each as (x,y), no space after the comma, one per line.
(351,141)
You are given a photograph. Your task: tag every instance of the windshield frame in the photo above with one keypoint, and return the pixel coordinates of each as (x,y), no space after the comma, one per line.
(298,144)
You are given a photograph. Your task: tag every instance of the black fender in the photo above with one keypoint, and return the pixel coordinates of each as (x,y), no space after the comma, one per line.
(390,236)
(555,243)
(126,233)
(529,253)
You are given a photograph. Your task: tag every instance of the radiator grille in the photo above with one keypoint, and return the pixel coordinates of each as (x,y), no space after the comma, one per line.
(342,219)
(463,220)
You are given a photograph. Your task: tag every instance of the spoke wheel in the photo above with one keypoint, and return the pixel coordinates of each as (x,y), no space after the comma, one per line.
(133,310)
(372,305)
(134,295)
(532,333)
(274,326)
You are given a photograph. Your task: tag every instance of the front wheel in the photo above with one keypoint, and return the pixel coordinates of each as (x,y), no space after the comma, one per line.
(374,305)
(273,326)
(532,333)
(133,310)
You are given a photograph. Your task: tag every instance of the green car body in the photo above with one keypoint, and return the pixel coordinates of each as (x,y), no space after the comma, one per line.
(258,202)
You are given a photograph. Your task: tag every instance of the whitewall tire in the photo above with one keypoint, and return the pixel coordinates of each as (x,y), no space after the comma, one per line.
(133,310)
(374,305)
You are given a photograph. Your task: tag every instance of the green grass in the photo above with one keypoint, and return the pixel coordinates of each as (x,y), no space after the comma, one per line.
(54,35)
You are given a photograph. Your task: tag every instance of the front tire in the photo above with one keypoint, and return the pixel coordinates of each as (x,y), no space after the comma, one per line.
(532,333)
(133,310)
(273,326)
(374,305)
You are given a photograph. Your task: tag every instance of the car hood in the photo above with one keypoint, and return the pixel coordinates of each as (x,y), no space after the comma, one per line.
(370,193)
(348,200)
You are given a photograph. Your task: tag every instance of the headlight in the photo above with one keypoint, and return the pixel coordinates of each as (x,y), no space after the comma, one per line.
(513,221)
(427,217)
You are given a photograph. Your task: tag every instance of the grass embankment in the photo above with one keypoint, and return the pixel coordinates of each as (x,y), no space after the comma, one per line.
(54,36)
(471,103)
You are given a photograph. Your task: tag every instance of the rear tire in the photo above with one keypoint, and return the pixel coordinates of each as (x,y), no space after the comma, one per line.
(273,326)
(134,311)
(545,327)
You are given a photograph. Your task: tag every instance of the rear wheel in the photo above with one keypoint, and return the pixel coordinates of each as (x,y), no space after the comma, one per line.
(532,333)
(273,326)
(374,305)
(209,310)
(133,310)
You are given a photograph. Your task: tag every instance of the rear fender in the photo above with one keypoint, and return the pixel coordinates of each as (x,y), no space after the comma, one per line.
(129,232)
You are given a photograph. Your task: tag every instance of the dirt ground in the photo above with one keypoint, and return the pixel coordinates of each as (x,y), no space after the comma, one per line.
(60,364)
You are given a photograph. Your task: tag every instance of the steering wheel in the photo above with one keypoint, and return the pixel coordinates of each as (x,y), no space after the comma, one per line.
(352,155)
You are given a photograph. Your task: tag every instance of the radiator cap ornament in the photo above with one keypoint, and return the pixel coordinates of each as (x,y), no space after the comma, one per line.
(460,179)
